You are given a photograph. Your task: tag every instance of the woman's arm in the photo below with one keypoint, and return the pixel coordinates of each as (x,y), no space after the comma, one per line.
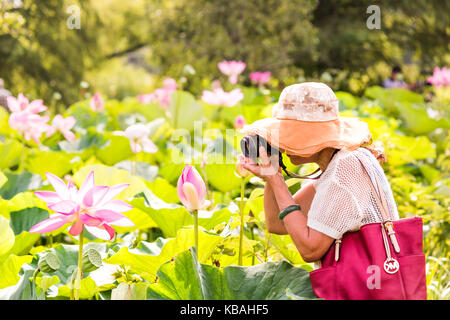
(311,244)
(271,210)
(302,197)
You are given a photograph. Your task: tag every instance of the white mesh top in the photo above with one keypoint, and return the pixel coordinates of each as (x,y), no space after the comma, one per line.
(344,200)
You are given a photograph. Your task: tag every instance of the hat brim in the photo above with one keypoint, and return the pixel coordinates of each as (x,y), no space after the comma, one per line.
(305,138)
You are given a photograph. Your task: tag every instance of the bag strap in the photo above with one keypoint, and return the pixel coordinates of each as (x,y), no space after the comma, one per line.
(382,205)
(380,194)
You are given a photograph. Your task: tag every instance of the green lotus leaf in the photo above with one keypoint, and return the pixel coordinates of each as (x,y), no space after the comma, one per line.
(40,162)
(11,152)
(10,268)
(185,110)
(186,279)
(6,236)
(116,149)
(19,182)
(147,265)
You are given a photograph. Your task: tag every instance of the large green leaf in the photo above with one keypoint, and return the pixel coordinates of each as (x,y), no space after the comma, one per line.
(88,289)
(19,182)
(6,236)
(24,289)
(116,149)
(417,120)
(185,109)
(86,117)
(86,145)
(146,265)
(164,190)
(171,217)
(24,242)
(68,257)
(11,152)
(221,175)
(24,219)
(186,279)
(130,106)
(40,162)
(10,268)
(347,99)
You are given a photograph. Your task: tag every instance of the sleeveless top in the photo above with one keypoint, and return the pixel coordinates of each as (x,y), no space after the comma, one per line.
(344,200)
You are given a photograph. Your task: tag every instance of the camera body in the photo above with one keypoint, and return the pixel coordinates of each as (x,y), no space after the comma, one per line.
(250,148)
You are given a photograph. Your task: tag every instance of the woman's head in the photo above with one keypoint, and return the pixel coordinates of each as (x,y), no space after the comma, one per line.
(306,120)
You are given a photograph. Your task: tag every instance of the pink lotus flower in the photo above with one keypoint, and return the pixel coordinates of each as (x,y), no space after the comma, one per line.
(232,69)
(90,206)
(239,122)
(62,125)
(162,95)
(441,77)
(220,97)
(21,104)
(260,77)
(30,125)
(191,189)
(138,136)
(96,103)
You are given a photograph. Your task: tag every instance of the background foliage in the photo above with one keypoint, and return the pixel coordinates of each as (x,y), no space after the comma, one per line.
(123,50)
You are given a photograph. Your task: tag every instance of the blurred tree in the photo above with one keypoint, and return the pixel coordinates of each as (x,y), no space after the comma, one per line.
(411,33)
(40,55)
(272,35)
(296,40)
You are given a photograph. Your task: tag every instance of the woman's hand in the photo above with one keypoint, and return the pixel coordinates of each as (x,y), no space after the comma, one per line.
(268,168)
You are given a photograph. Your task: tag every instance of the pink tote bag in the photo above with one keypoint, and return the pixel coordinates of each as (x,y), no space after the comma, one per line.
(381,261)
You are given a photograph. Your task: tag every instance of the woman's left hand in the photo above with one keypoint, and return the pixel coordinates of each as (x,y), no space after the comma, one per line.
(268,168)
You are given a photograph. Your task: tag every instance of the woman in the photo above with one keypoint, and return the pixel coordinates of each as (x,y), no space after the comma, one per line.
(307,127)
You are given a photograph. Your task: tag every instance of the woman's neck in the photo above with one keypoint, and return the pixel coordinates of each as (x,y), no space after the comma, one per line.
(324,158)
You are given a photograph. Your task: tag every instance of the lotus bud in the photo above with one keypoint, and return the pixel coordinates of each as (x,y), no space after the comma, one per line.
(49,263)
(239,122)
(91,260)
(191,189)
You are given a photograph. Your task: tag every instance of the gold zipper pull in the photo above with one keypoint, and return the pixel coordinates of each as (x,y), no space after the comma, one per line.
(390,229)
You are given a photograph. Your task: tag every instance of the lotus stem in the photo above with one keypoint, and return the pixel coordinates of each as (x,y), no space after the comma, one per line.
(79,271)
(135,164)
(252,232)
(50,241)
(241,232)
(196,231)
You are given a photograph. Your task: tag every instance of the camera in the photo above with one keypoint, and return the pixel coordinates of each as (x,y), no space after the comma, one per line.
(250,148)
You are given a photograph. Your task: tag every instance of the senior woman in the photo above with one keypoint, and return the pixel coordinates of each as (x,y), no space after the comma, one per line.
(306,125)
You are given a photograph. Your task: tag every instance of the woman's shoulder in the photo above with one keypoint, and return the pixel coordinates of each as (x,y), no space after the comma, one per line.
(344,168)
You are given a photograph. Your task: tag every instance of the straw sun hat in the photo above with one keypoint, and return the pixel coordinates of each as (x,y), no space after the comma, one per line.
(306,120)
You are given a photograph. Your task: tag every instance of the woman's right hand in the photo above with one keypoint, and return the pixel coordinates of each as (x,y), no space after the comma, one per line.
(267,169)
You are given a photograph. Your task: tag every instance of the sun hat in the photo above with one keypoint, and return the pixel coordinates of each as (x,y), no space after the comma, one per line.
(306,120)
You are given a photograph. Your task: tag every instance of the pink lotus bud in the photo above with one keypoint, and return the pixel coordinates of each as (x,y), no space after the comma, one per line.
(97,103)
(239,122)
(191,188)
